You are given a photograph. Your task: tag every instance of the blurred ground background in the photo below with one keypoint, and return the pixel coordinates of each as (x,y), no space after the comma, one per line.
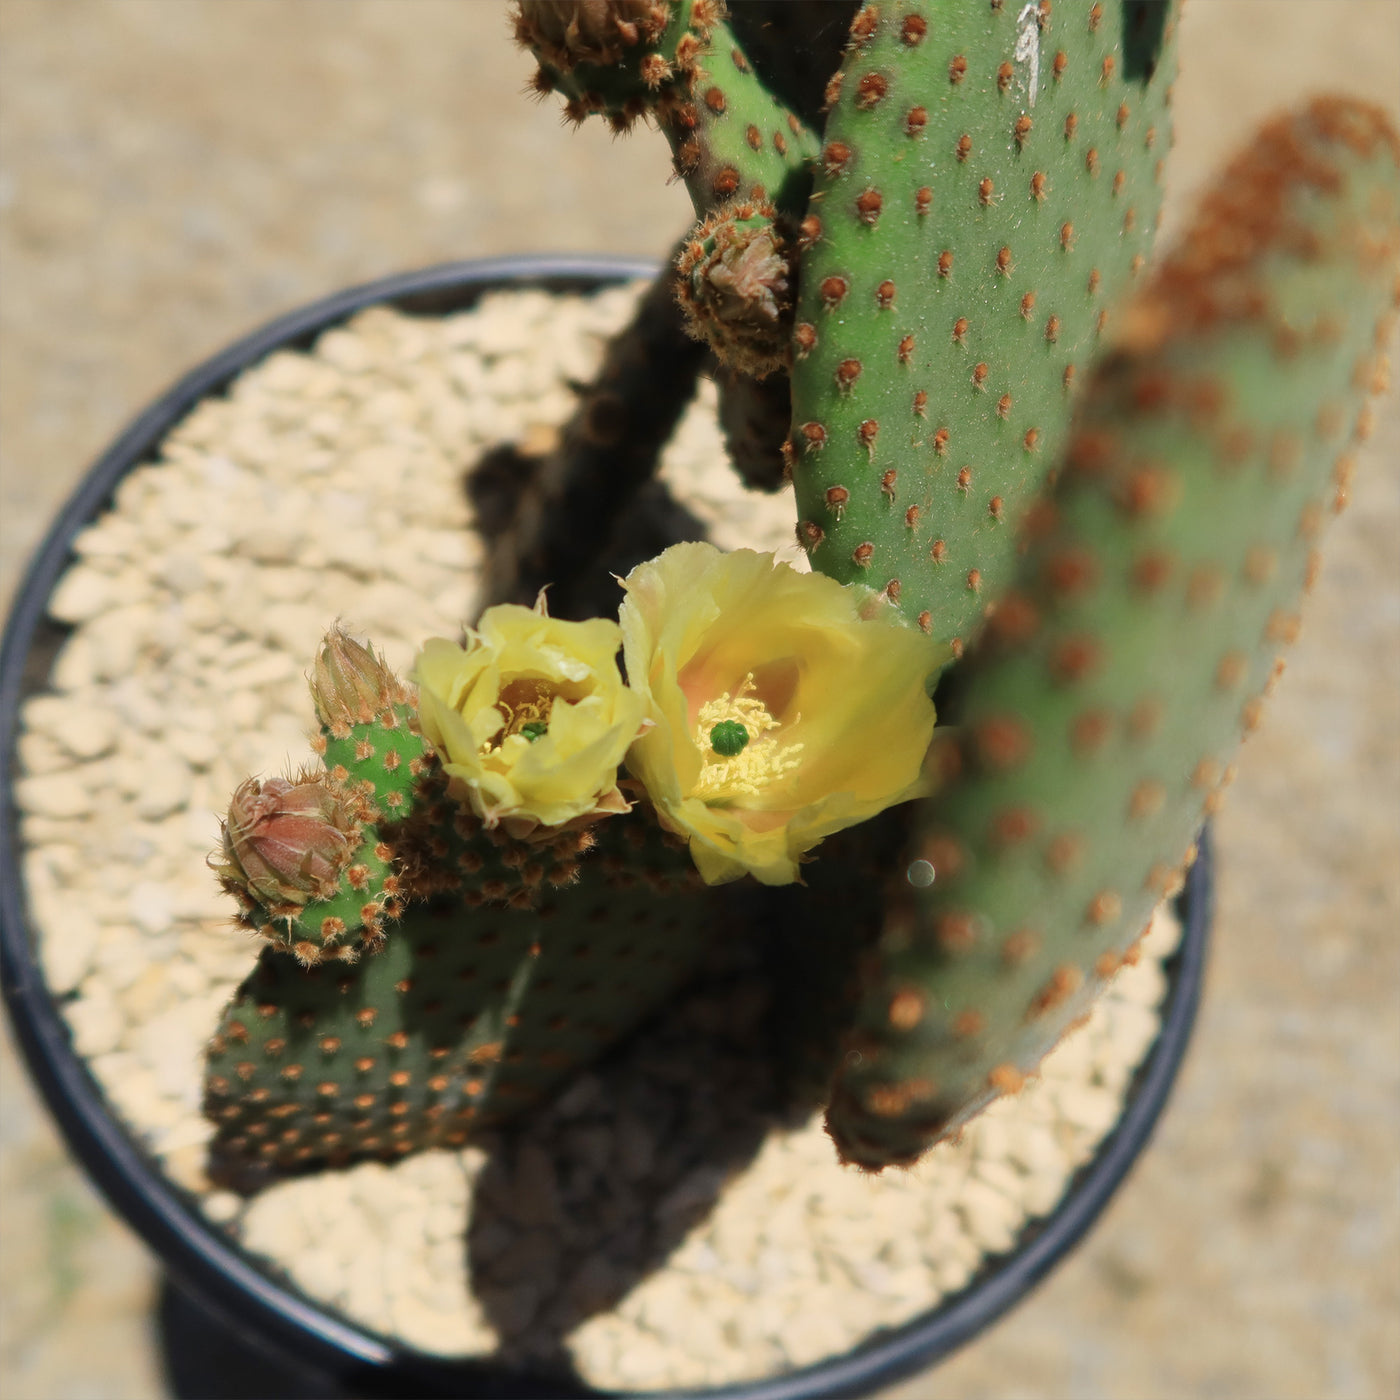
(174,172)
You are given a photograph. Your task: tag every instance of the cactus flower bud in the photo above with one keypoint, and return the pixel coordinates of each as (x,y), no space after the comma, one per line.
(286,841)
(351,685)
(736,288)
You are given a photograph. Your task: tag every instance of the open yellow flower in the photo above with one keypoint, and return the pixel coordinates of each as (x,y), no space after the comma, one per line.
(531,718)
(780,714)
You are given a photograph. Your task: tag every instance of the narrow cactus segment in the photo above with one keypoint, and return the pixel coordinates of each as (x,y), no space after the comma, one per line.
(731,137)
(989,183)
(681,63)
(1103,704)
(461,1021)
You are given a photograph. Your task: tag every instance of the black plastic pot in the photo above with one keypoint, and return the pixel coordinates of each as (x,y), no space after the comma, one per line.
(231,1329)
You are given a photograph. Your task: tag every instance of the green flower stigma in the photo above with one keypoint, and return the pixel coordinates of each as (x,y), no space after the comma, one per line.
(728,738)
(534,730)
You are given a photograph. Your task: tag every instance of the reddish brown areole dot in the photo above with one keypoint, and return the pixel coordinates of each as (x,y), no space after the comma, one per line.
(804,339)
(1038,184)
(1021,128)
(835,157)
(887,482)
(868,205)
(938,551)
(862,554)
(964,147)
(868,431)
(754,137)
(911,517)
(1052,328)
(1004,75)
(884,295)
(1027,305)
(1004,261)
(940,441)
(726,181)
(1004,406)
(964,481)
(847,372)
(1062,984)
(906,350)
(870,91)
(1058,66)
(920,402)
(979,375)
(1063,853)
(945,262)
(1071,126)
(957,69)
(915,120)
(833,291)
(925,621)
(985,190)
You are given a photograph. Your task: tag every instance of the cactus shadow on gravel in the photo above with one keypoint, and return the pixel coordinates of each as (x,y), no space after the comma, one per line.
(581,1202)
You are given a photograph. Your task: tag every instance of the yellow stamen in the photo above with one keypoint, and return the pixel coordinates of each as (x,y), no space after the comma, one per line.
(750,771)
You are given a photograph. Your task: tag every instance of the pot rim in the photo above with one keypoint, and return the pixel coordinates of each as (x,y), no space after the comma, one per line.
(206,1260)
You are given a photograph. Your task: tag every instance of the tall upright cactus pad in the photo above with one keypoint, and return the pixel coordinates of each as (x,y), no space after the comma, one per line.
(1102,706)
(989,183)
(462,1019)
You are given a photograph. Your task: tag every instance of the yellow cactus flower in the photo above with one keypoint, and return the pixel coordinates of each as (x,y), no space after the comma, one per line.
(784,706)
(531,718)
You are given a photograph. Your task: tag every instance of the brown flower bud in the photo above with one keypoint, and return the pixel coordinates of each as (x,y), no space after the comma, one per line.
(286,841)
(350,684)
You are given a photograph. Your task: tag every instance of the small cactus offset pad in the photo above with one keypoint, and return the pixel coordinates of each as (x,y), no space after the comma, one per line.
(464,1018)
(1103,704)
(988,185)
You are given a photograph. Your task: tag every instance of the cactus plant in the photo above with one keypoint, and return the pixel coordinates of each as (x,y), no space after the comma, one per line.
(1076,493)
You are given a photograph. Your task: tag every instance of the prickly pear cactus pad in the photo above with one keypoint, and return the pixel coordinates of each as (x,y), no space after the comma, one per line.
(462,1018)
(1105,700)
(989,183)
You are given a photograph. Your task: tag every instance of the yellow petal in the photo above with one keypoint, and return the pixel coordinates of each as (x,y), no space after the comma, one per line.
(520,665)
(846,719)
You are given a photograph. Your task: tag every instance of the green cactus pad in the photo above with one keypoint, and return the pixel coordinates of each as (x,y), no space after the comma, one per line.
(465,1018)
(1101,708)
(989,183)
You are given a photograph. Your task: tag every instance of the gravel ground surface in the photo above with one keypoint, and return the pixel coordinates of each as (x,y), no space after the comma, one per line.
(171,174)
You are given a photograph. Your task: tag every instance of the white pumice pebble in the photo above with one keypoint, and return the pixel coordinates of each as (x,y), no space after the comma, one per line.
(328,486)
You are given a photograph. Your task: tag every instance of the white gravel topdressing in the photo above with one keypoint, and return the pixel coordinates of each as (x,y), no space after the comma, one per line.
(325,486)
